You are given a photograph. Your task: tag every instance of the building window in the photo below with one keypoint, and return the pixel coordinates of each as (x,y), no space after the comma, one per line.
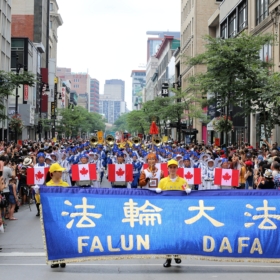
(261,10)
(242,16)
(265,53)
(232,30)
(51,6)
(224,30)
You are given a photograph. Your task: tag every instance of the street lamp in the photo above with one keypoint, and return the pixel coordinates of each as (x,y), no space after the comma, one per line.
(44,89)
(18,67)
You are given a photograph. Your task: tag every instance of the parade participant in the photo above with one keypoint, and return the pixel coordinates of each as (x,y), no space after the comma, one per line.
(55,174)
(48,160)
(150,177)
(99,168)
(208,177)
(173,183)
(187,162)
(65,164)
(137,165)
(120,160)
(53,157)
(41,160)
(103,159)
(84,183)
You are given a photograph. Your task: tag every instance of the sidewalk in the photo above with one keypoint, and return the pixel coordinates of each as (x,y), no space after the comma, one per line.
(24,234)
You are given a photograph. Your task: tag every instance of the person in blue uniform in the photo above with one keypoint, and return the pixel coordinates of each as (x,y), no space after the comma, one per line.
(137,165)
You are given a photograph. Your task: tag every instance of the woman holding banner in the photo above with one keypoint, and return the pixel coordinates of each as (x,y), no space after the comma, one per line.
(55,173)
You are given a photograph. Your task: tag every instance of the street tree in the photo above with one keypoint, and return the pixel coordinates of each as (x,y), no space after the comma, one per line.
(121,123)
(137,121)
(9,81)
(235,73)
(79,120)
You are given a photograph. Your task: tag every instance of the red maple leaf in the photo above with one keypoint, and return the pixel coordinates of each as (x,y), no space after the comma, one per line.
(39,175)
(226,177)
(84,171)
(120,172)
(189,175)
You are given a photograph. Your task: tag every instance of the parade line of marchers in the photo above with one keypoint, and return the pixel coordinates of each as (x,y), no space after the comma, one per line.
(81,224)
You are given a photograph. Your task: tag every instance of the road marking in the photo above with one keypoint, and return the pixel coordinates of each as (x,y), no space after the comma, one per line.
(137,264)
(23,254)
(42,254)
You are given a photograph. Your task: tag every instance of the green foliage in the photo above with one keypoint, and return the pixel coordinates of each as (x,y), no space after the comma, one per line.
(121,123)
(137,121)
(79,119)
(161,110)
(9,81)
(236,75)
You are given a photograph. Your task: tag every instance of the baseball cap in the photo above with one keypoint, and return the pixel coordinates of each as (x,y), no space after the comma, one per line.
(172,162)
(56,167)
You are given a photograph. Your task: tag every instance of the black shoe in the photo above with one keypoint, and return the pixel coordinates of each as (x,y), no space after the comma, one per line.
(55,265)
(0,249)
(38,214)
(62,265)
(178,260)
(167,263)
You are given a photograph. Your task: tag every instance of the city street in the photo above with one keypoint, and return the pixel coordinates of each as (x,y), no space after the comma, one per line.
(23,257)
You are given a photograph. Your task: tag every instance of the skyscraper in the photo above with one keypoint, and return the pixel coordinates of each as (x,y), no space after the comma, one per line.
(80,82)
(5,52)
(94,96)
(114,90)
(153,43)
(138,83)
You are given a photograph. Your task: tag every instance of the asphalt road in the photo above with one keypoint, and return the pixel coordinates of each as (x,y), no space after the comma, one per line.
(23,257)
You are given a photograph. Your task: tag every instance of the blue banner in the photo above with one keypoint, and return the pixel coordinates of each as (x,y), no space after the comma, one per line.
(83,224)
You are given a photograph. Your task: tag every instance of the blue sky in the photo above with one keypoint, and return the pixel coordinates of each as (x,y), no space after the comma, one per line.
(108,38)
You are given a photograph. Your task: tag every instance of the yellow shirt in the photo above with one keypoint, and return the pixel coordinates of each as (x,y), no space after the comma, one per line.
(51,183)
(166,184)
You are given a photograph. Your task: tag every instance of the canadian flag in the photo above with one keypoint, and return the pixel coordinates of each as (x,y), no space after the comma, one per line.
(120,172)
(160,166)
(192,175)
(84,172)
(226,177)
(36,175)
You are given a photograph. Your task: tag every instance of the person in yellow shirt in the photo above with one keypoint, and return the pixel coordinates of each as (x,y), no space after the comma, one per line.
(173,183)
(56,181)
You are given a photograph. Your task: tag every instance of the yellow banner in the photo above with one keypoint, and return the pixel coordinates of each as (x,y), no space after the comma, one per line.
(100,137)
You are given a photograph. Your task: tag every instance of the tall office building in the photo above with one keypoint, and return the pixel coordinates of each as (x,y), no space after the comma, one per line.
(94,96)
(5,51)
(194,26)
(30,19)
(111,109)
(80,82)
(153,43)
(114,90)
(138,83)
